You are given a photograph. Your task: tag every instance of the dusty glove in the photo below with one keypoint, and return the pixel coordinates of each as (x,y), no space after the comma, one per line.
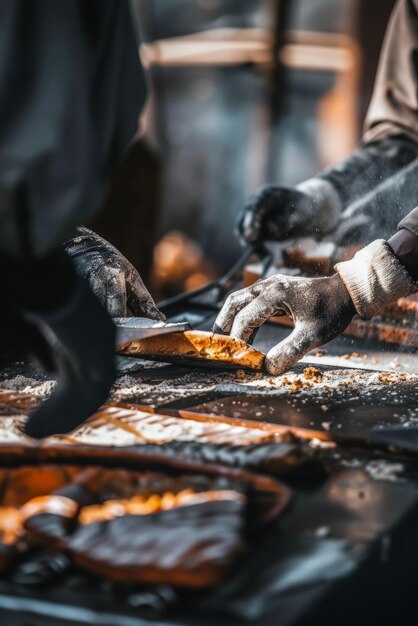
(321,309)
(275,213)
(113,280)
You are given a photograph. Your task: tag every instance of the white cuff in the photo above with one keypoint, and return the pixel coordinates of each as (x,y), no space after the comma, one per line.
(375,277)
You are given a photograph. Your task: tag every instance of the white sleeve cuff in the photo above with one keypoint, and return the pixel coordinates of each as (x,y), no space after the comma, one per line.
(375,277)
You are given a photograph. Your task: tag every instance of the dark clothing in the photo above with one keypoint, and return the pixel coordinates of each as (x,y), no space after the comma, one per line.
(71,90)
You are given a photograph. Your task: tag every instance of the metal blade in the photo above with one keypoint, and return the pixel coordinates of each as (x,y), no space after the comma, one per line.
(136,328)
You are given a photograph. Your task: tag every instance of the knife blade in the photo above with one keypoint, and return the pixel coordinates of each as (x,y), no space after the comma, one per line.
(135,328)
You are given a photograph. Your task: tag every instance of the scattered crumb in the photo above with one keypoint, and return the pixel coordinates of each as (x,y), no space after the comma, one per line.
(356,355)
(240,374)
(296,386)
(325,408)
(388,378)
(326,425)
(312,373)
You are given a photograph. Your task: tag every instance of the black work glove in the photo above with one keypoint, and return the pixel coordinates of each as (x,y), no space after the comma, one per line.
(113,280)
(275,213)
(321,308)
(365,196)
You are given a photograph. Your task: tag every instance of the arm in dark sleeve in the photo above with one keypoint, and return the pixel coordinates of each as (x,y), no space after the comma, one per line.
(404,244)
(377,184)
(410,222)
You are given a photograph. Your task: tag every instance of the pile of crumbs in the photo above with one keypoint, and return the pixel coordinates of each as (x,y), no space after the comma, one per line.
(327,380)
(37,387)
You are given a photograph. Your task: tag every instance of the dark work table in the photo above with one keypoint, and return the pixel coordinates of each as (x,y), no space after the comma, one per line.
(345,552)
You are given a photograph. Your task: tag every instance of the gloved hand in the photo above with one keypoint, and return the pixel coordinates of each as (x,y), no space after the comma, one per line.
(111,277)
(365,196)
(275,213)
(321,309)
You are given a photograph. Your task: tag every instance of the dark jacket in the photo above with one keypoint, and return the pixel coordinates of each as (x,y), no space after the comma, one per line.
(71,90)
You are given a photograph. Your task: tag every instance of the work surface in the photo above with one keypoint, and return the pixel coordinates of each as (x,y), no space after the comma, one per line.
(346,549)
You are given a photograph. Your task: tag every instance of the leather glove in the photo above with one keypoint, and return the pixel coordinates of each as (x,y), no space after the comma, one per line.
(275,213)
(111,277)
(321,309)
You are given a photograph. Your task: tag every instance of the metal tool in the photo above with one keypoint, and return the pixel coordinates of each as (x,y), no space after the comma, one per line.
(213,294)
(135,328)
(208,297)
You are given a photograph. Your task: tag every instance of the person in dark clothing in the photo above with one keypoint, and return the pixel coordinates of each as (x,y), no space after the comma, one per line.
(71,90)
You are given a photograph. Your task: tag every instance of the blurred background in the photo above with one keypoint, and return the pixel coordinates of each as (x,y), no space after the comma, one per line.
(242,93)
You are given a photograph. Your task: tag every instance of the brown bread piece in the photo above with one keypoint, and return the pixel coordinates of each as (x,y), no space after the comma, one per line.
(198,346)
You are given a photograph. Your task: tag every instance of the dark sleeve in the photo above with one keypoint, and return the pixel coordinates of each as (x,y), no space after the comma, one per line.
(71,90)
(410,222)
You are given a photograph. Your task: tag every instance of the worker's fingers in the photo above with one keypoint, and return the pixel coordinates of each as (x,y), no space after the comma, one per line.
(251,317)
(139,299)
(248,227)
(94,273)
(291,349)
(115,299)
(108,285)
(103,280)
(232,305)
